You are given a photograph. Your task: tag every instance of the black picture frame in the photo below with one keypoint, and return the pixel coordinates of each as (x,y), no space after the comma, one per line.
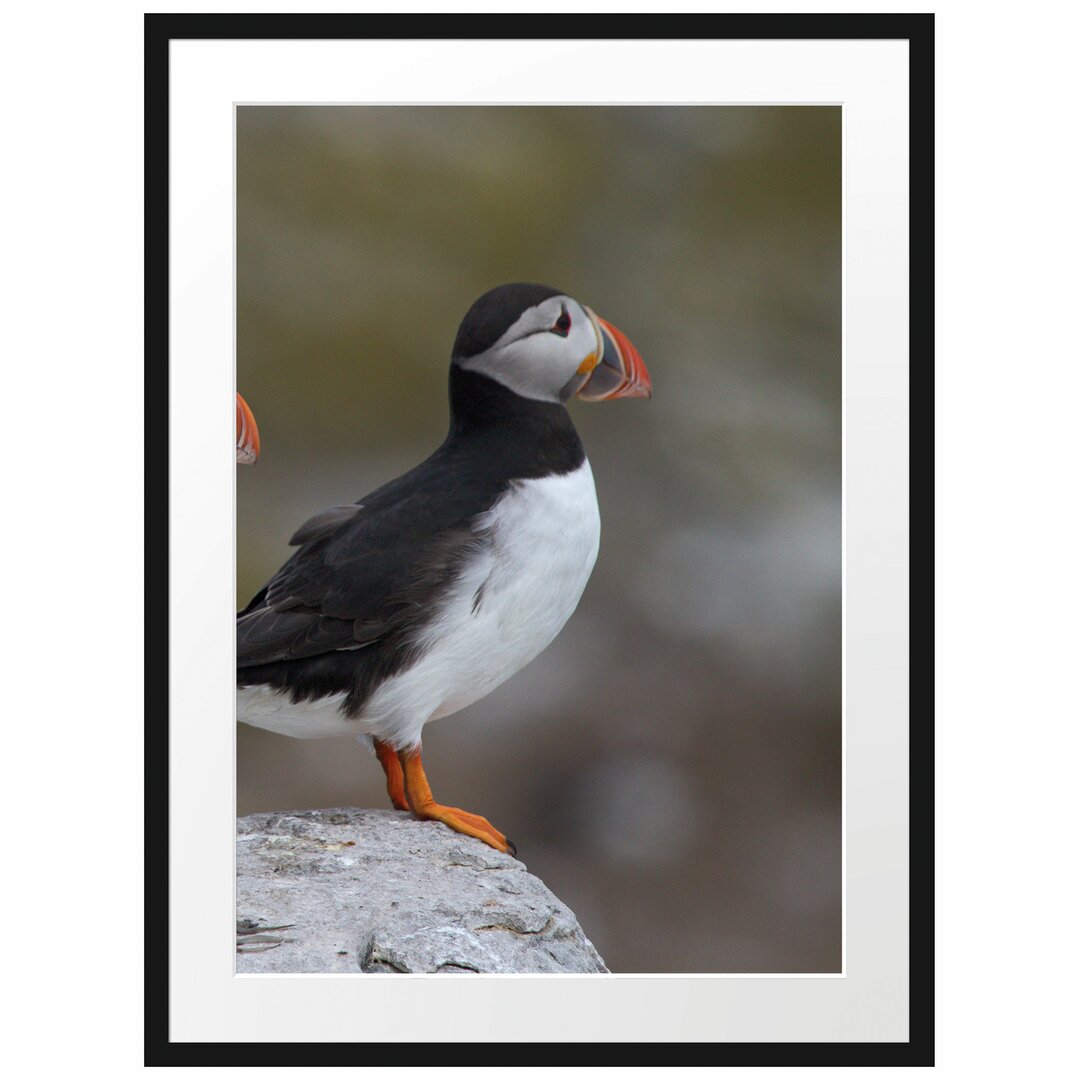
(919,31)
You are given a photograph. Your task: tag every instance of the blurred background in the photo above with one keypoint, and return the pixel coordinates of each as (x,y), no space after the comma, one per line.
(671,765)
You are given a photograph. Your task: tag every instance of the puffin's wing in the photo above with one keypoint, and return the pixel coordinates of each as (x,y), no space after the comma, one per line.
(362,571)
(324,523)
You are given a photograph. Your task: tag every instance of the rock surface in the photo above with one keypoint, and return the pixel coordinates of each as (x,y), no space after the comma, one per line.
(378,891)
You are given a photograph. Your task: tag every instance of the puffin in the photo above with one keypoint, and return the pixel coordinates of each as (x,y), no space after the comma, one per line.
(247,434)
(428,593)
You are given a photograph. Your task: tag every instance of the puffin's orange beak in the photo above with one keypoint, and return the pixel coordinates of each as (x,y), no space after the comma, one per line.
(247,434)
(619,371)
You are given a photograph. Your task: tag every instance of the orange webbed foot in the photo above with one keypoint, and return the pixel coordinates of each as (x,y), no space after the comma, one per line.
(423,804)
(470,824)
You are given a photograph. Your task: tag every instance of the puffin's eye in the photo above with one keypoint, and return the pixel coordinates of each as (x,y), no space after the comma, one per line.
(562,323)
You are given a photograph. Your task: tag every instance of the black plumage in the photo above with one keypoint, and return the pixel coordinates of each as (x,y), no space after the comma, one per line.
(494,313)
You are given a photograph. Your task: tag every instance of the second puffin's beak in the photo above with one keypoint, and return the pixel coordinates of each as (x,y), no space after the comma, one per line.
(247,434)
(619,370)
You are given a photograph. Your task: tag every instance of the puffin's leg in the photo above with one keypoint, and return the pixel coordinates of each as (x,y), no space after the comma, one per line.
(423,804)
(395,781)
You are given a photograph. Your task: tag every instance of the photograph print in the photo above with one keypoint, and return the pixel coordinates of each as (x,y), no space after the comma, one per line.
(539,539)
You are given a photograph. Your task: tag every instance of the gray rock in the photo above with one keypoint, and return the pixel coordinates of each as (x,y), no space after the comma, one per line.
(378,891)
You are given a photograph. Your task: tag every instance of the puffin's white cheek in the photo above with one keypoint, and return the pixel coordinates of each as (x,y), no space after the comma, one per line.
(546,363)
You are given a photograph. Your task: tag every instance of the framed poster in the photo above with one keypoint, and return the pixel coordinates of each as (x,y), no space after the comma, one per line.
(716,765)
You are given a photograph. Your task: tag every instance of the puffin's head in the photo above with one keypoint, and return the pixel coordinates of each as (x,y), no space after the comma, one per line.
(543,344)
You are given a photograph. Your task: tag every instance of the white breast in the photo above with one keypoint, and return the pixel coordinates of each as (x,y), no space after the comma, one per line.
(543,538)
